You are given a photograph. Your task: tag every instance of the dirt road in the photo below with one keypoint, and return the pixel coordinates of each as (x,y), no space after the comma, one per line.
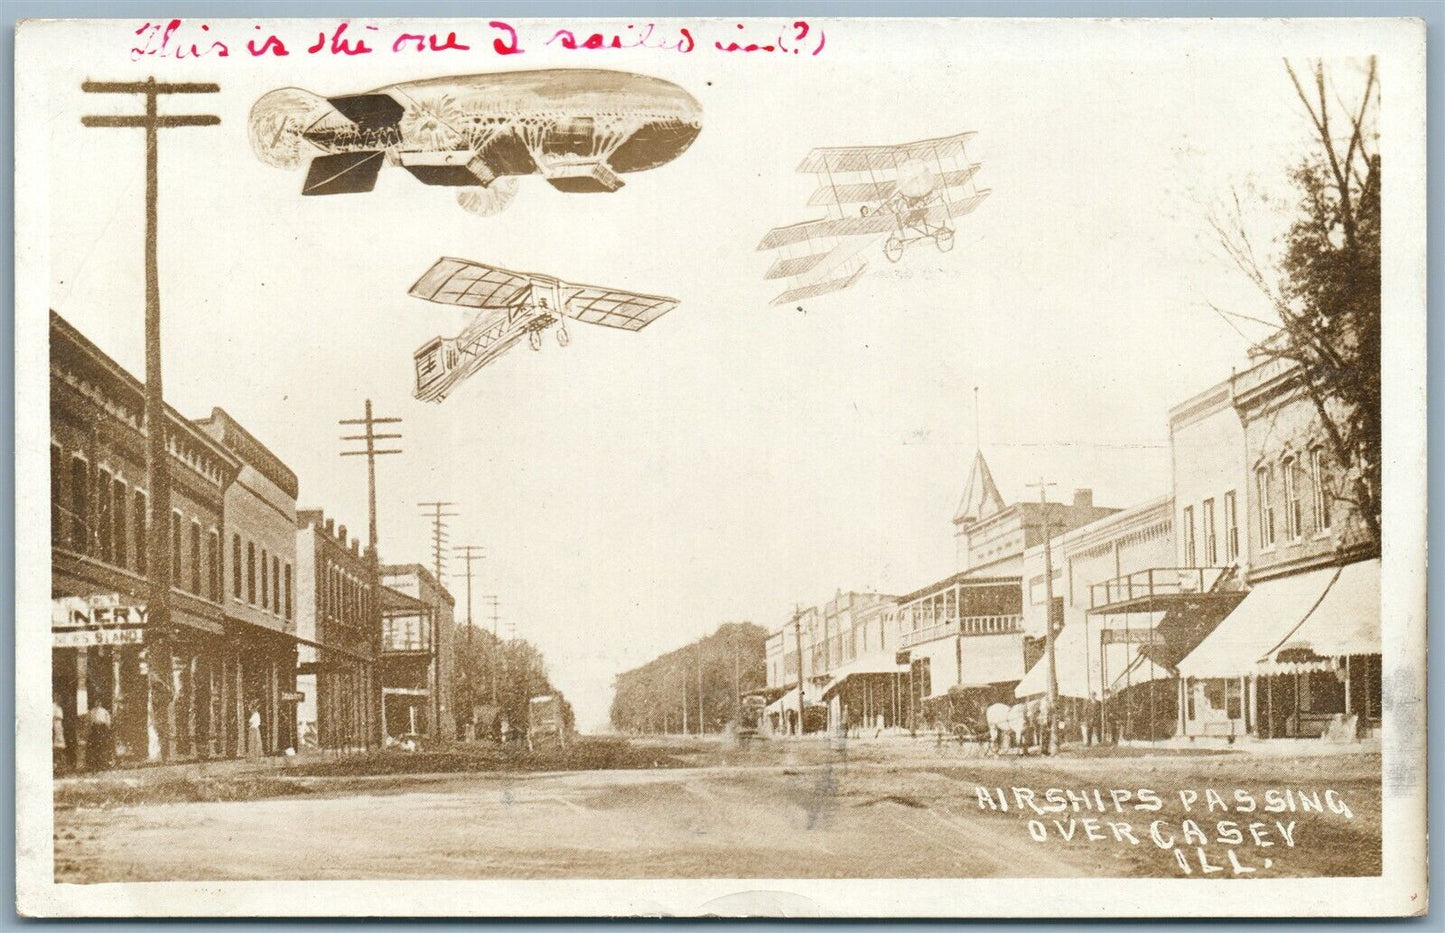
(782,812)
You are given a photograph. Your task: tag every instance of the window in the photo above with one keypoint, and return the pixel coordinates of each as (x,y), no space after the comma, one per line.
(216,577)
(251,572)
(276,584)
(104,527)
(1319,481)
(1293,512)
(1188,533)
(236,566)
(265,580)
(1231,527)
(1266,508)
(175,549)
(1211,547)
(196,557)
(119,527)
(79,504)
(140,514)
(57,514)
(288,592)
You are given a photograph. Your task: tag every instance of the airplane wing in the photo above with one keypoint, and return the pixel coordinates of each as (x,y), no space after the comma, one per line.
(880,221)
(868,192)
(881,158)
(610,307)
(472,284)
(815,289)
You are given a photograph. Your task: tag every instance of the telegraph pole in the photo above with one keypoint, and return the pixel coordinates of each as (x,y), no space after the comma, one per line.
(158,537)
(798,635)
(1053,689)
(438,516)
(470,553)
(496,645)
(370,453)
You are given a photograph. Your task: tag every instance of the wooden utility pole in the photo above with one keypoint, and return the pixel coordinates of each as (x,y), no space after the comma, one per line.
(496,644)
(370,453)
(438,517)
(470,553)
(1053,686)
(798,636)
(158,542)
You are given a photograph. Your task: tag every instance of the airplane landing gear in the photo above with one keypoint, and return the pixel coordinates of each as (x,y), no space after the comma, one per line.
(893,249)
(534,339)
(563,338)
(943,239)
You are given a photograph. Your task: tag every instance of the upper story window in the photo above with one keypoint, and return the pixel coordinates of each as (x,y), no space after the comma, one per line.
(1188,532)
(288,592)
(1293,511)
(104,517)
(176,578)
(1266,507)
(276,584)
(1206,528)
(265,580)
(119,527)
(1319,480)
(251,572)
(213,561)
(140,515)
(196,557)
(79,505)
(236,577)
(1231,527)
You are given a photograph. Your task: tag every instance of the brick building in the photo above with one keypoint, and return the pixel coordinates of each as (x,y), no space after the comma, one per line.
(170,694)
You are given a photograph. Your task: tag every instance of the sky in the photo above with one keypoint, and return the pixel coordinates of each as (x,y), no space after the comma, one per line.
(634,491)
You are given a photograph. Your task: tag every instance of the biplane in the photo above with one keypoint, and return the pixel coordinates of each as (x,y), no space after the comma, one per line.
(579,128)
(512,306)
(898,195)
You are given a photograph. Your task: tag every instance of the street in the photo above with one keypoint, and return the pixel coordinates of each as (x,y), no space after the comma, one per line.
(694,808)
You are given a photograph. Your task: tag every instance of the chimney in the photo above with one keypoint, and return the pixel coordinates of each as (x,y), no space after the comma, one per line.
(355,547)
(1083,498)
(331,526)
(341,534)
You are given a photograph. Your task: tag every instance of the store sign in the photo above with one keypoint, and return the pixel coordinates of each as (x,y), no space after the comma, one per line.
(293,696)
(107,619)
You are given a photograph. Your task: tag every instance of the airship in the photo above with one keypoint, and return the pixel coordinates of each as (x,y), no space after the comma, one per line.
(580,129)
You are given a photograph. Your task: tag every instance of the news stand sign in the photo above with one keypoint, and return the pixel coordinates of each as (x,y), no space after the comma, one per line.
(85,622)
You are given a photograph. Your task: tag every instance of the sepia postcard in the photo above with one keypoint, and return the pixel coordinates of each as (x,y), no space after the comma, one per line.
(743,467)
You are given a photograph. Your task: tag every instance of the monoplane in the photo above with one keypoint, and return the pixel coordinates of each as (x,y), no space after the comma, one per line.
(580,129)
(899,195)
(512,306)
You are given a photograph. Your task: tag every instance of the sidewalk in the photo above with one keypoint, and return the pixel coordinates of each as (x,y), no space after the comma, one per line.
(157,772)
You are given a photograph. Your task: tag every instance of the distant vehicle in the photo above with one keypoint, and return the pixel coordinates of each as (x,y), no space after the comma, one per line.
(750,717)
(545,722)
(899,195)
(512,305)
(580,129)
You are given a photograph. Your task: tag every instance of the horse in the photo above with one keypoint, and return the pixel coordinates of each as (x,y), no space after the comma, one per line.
(997,718)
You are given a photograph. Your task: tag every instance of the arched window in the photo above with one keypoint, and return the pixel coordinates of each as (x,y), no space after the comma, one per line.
(1319,481)
(1266,507)
(1293,512)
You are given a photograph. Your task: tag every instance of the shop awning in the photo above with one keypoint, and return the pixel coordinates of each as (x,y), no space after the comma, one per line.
(789,701)
(1079,663)
(991,659)
(1346,622)
(1261,621)
(870,664)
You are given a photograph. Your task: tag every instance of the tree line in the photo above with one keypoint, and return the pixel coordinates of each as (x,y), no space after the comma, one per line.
(498,678)
(695,688)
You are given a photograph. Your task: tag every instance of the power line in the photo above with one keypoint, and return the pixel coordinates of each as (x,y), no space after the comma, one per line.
(370,453)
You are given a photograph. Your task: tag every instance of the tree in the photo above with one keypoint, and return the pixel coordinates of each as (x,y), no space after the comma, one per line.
(1324,286)
(514,668)
(729,662)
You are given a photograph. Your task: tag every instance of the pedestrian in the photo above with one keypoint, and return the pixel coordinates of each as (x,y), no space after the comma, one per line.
(57,737)
(99,749)
(253,733)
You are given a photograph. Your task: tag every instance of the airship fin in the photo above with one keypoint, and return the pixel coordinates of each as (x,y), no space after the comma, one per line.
(368,111)
(343,173)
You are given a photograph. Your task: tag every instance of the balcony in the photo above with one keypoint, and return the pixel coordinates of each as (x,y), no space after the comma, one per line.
(972,625)
(1155,589)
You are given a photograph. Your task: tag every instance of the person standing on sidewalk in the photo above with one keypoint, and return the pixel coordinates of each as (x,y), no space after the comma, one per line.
(57,737)
(253,733)
(99,750)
